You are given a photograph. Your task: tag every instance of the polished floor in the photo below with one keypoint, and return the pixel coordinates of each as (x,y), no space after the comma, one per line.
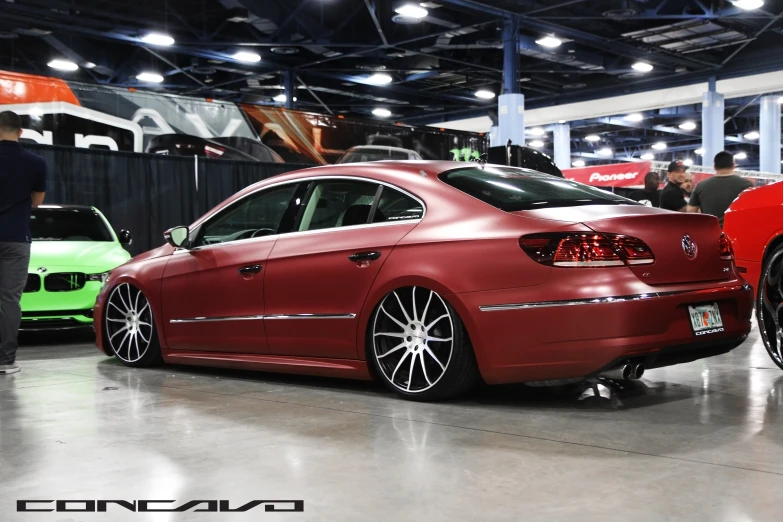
(695,442)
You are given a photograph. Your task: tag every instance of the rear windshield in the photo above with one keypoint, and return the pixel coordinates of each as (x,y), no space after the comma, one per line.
(62,224)
(373,155)
(511,189)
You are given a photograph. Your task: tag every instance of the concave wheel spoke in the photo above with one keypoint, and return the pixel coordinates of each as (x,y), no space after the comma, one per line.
(426,307)
(427,349)
(126,305)
(402,359)
(146,305)
(410,373)
(112,336)
(136,304)
(136,341)
(142,336)
(124,337)
(391,334)
(396,348)
(145,324)
(424,368)
(130,299)
(439,339)
(115,320)
(393,318)
(436,320)
(120,310)
(407,317)
(413,294)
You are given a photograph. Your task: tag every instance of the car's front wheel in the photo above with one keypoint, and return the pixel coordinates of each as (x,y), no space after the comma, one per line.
(419,347)
(129,327)
(769,305)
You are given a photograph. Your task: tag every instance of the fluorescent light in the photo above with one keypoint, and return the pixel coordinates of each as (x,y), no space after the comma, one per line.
(648,156)
(700,152)
(634,117)
(606,151)
(752,135)
(536,131)
(379,79)
(549,41)
(485,94)
(411,11)
(780,100)
(561,121)
(592,137)
(578,163)
(149,77)
(659,146)
(748,4)
(642,67)
(247,56)
(687,162)
(158,39)
(536,143)
(63,65)
(740,156)
(282,98)
(688,125)
(383,113)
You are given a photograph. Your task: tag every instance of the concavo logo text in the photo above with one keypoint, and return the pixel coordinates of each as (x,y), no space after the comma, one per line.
(150,506)
(597,176)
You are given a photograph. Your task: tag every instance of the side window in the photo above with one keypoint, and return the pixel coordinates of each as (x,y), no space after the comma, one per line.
(337,203)
(255,216)
(396,206)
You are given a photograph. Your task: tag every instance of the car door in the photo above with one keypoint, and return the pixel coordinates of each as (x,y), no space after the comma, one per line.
(318,277)
(213,292)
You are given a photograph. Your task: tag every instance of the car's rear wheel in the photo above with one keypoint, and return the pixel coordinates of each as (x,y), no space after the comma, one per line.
(769,307)
(419,347)
(130,327)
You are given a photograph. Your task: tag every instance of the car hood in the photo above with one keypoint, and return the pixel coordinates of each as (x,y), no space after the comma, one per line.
(98,255)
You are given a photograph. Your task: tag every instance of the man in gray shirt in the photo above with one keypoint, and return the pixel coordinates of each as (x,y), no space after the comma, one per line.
(716,193)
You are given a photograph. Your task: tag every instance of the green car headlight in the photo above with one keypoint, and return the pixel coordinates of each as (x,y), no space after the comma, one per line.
(98,277)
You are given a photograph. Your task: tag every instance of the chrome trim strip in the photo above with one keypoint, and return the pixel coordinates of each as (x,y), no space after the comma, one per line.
(262,317)
(607,300)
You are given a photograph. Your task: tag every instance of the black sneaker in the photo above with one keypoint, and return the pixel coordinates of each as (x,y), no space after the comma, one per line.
(6,369)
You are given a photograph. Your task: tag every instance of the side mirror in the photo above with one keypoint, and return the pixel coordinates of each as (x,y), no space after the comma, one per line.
(177,236)
(125,238)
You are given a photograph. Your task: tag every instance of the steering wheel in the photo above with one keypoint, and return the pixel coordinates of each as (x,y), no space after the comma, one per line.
(268,230)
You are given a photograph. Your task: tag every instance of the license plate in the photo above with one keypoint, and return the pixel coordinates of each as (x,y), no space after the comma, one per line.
(705,319)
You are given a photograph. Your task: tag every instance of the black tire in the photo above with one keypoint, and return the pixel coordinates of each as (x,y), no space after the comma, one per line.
(420,354)
(129,327)
(769,305)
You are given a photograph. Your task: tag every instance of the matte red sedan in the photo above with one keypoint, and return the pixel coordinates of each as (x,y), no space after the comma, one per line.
(430,276)
(754,223)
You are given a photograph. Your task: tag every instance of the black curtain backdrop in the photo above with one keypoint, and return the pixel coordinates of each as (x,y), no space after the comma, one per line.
(146,193)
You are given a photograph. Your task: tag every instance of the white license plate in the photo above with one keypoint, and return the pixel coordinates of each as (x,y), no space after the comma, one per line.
(705,319)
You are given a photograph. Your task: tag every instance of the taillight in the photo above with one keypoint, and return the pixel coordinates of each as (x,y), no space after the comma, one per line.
(586,250)
(726,250)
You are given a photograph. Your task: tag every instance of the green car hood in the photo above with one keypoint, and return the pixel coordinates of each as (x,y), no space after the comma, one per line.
(99,256)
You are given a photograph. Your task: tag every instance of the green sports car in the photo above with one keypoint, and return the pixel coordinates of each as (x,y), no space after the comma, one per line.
(73,249)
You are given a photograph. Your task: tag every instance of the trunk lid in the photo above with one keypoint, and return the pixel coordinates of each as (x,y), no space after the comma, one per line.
(664,232)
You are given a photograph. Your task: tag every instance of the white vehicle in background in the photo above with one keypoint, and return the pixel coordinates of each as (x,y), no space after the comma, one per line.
(363,153)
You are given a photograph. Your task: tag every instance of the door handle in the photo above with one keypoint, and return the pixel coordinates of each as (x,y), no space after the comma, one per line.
(251,269)
(364,256)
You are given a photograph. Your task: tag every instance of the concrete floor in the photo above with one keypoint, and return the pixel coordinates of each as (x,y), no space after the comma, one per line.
(695,442)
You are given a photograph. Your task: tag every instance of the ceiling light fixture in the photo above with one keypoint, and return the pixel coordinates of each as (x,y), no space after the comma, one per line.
(578,163)
(648,156)
(537,143)
(63,65)
(149,77)
(642,67)
(549,41)
(561,121)
(634,117)
(161,39)
(740,156)
(687,162)
(411,11)
(700,152)
(780,100)
(748,4)
(379,79)
(753,135)
(382,113)
(282,98)
(484,94)
(606,151)
(659,146)
(536,131)
(592,137)
(247,57)
(688,125)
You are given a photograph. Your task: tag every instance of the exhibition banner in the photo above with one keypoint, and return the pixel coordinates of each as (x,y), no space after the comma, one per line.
(623,175)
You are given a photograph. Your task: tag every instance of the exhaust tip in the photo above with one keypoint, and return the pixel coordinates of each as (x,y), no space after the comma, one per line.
(627,371)
(638,371)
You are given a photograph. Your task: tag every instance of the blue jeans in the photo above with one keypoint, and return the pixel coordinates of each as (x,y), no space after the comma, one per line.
(14,261)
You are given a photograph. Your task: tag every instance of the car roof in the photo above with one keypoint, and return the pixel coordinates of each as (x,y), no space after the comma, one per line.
(379,147)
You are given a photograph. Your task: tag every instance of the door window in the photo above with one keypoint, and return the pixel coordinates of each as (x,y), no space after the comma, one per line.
(338,203)
(396,206)
(254,216)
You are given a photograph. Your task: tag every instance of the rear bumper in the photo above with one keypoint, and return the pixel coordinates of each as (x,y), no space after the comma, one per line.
(519,340)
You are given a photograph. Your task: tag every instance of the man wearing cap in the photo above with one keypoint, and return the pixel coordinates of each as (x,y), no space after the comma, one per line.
(672,195)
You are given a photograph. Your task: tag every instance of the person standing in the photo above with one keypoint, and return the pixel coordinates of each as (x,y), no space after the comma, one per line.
(672,195)
(714,195)
(650,192)
(22,186)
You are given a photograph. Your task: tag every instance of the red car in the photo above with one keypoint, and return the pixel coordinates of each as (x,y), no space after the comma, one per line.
(754,222)
(430,276)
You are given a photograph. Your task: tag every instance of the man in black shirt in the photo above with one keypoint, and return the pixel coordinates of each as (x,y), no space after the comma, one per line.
(714,195)
(672,196)
(22,186)
(650,192)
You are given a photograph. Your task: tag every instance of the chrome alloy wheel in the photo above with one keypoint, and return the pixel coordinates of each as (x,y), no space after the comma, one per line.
(129,329)
(769,308)
(413,339)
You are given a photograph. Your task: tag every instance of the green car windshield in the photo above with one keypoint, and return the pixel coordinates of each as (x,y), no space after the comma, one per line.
(68,224)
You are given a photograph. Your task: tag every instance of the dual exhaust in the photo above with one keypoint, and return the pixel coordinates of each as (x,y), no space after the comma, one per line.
(624,372)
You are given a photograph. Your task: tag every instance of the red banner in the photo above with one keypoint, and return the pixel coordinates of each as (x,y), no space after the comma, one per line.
(615,175)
